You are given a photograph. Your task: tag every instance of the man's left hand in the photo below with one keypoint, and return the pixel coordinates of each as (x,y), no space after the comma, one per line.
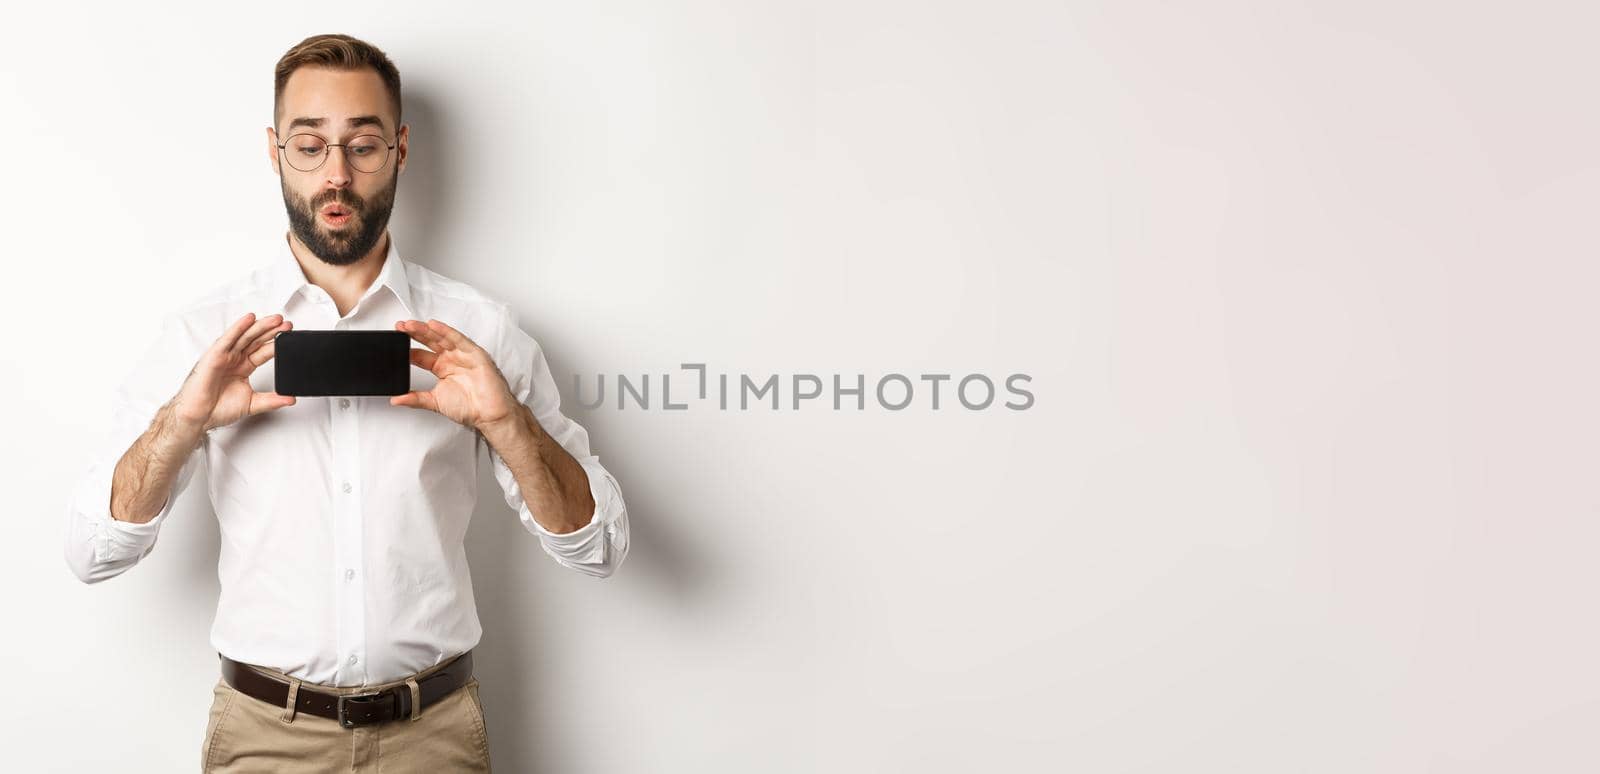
(471,389)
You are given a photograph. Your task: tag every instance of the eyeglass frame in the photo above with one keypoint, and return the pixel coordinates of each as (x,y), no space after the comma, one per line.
(326,153)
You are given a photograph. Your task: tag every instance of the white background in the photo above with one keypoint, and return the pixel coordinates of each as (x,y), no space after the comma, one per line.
(1306,294)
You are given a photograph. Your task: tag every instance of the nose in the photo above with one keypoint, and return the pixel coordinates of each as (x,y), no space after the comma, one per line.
(336,168)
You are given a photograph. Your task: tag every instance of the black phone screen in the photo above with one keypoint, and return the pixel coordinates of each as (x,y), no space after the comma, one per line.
(316,363)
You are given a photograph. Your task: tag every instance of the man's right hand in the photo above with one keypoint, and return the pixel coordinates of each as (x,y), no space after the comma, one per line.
(217,391)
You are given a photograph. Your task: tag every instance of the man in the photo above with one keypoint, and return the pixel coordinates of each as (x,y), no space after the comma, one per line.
(346,616)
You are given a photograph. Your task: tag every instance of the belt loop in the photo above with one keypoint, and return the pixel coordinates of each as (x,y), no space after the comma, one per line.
(289,706)
(416,698)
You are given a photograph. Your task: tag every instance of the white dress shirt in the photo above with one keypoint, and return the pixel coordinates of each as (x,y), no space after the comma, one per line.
(341,518)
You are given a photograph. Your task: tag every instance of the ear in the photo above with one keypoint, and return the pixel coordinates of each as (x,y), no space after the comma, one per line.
(401,146)
(272,150)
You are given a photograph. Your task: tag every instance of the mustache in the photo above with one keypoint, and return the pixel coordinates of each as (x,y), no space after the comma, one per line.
(348,200)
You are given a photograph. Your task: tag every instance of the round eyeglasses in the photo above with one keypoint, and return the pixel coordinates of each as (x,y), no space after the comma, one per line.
(365,153)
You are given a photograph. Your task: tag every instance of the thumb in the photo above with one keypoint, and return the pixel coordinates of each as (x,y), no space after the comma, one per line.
(415,399)
(262,402)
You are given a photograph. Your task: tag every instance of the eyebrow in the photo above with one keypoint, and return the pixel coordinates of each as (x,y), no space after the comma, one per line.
(318,121)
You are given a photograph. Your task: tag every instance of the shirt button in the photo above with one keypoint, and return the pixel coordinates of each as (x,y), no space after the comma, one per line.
(344,403)
(348,574)
(347,487)
(352,659)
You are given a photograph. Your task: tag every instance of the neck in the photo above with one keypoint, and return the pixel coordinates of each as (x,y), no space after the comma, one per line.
(345,284)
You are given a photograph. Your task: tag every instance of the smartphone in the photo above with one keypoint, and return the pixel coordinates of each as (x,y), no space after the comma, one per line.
(318,363)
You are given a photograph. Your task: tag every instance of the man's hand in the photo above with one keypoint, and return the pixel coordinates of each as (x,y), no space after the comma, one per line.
(471,389)
(473,392)
(217,391)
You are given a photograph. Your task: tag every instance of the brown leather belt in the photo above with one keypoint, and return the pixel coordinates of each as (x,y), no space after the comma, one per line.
(351,709)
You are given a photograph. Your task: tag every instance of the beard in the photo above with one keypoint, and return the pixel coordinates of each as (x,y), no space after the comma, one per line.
(351,242)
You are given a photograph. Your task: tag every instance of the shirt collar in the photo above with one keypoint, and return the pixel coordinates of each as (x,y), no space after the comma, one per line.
(288,278)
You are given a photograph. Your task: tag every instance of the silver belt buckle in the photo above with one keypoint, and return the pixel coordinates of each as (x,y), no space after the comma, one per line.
(356,697)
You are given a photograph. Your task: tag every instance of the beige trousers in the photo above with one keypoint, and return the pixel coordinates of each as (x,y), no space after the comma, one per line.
(245,735)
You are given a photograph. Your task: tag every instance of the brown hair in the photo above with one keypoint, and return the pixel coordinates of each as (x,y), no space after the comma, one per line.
(340,52)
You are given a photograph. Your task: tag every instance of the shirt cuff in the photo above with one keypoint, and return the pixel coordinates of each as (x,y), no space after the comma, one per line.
(600,490)
(585,546)
(116,540)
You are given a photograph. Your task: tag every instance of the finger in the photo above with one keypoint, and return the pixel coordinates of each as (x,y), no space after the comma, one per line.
(424,359)
(261,325)
(420,332)
(255,330)
(262,402)
(230,336)
(453,339)
(268,335)
(467,351)
(263,353)
(416,399)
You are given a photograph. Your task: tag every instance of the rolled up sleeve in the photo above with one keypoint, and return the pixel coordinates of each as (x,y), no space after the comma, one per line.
(97,546)
(598,547)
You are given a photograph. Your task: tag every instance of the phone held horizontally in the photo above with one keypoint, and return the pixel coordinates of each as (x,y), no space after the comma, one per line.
(320,363)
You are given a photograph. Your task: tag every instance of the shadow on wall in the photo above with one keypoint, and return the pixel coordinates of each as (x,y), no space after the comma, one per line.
(506,559)
(508,565)
(425,201)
